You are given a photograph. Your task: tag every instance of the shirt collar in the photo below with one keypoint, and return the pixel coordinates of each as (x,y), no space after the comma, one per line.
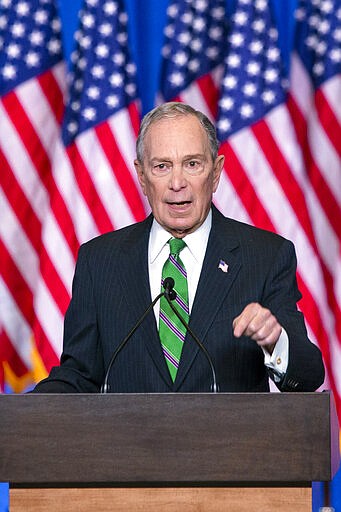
(196,241)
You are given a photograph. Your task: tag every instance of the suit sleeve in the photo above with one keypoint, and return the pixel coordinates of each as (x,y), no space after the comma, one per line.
(305,370)
(81,368)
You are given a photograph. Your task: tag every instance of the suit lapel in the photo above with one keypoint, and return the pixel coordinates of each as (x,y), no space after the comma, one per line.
(214,284)
(134,276)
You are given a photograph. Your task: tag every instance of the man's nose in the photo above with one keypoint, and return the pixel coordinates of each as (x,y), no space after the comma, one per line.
(178,178)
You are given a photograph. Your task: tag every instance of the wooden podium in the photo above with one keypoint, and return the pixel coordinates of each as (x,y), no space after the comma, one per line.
(167,452)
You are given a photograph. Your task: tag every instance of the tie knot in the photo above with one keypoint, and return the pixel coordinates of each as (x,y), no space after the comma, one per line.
(176,245)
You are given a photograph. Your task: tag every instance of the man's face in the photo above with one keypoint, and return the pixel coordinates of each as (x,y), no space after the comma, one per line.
(178,175)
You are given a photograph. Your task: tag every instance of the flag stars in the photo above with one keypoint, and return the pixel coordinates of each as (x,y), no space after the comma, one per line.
(88,20)
(110,8)
(41,17)
(253,68)
(93,92)
(199,24)
(23,8)
(18,29)
(112,101)
(270,75)
(98,71)
(240,18)
(54,46)
(268,96)
(258,26)
(180,58)
(335,55)
(233,60)
(176,79)
(116,80)
(102,51)
(226,103)
(194,65)
(184,38)
(246,110)
(36,38)
(105,29)
(13,50)
(172,11)
(32,59)
(249,89)
(9,72)
(237,39)
(118,58)
(89,113)
(230,82)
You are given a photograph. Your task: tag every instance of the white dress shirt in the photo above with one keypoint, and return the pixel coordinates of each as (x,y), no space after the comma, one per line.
(192,257)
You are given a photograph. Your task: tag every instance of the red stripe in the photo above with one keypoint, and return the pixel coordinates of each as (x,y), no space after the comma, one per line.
(29,137)
(244,188)
(46,352)
(89,192)
(285,177)
(16,284)
(134,117)
(53,282)
(210,92)
(53,94)
(322,190)
(120,170)
(20,205)
(10,355)
(328,120)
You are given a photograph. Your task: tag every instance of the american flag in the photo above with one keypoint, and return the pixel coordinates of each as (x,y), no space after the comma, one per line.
(267,163)
(195,38)
(315,107)
(61,185)
(31,87)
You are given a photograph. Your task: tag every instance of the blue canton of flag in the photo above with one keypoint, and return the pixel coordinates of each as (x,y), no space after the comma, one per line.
(195,41)
(318,38)
(254,81)
(103,76)
(29,41)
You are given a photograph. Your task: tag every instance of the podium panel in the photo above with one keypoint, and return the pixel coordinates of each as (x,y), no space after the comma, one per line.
(234,499)
(224,451)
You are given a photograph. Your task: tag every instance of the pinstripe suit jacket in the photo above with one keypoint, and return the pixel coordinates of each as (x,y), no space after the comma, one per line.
(111,290)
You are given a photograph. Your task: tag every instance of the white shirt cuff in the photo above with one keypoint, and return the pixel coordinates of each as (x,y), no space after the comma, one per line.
(278,360)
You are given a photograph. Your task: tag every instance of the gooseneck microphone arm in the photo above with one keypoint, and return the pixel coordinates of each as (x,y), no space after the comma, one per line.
(168,285)
(169,294)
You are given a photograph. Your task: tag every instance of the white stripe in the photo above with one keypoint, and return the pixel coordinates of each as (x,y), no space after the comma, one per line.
(59,72)
(15,325)
(300,85)
(104,179)
(50,317)
(17,243)
(124,135)
(283,217)
(282,130)
(324,155)
(193,96)
(228,201)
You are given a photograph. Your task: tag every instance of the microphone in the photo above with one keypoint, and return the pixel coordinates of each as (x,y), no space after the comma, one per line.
(170,295)
(168,285)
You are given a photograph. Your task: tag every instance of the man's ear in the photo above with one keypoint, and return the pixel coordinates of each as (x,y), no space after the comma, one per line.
(140,174)
(217,168)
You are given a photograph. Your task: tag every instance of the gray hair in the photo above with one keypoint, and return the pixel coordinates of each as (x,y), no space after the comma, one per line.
(171,110)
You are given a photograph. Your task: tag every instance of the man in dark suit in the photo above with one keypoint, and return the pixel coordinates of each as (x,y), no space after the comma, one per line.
(241,283)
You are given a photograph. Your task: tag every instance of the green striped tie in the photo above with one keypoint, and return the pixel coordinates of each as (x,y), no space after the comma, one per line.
(172,332)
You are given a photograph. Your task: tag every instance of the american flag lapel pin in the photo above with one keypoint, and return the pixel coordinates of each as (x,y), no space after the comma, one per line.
(223,266)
